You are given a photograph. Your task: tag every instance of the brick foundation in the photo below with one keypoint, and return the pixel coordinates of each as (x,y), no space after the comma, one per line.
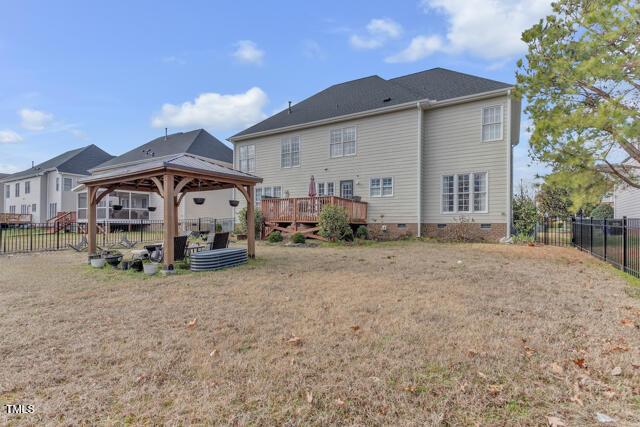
(469,231)
(393,231)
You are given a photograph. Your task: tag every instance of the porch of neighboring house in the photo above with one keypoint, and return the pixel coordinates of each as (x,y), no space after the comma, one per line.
(14,218)
(301,214)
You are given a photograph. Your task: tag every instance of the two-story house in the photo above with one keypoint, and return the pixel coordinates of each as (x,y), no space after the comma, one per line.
(44,190)
(430,152)
(136,205)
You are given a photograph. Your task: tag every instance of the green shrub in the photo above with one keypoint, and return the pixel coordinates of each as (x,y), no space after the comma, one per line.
(218,228)
(298,238)
(362,232)
(602,211)
(523,238)
(524,214)
(275,237)
(333,222)
(347,236)
(243,221)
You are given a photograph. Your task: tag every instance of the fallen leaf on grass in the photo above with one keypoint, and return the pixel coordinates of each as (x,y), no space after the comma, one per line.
(556,369)
(192,323)
(616,371)
(627,322)
(555,422)
(529,351)
(355,328)
(309,397)
(576,399)
(580,363)
(495,389)
(213,353)
(339,402)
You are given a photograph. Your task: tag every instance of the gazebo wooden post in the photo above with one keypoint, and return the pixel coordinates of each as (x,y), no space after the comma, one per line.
(175,215)
(169,220)
(251,223)
(91,219)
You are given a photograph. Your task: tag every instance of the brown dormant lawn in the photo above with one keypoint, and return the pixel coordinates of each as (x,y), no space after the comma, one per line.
(408,333)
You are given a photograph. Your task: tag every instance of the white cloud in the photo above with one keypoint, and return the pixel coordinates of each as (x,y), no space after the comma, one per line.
(35,120)
(489,29)
(80,134)
(420,47)
(214,110)
(248,52)
(9,168)
(312,50)
(379,30)
(7,136)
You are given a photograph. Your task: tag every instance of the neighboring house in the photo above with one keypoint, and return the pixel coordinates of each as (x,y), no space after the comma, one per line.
(427,151)
(2,177)
(626,199)
(136,205)
(44,190)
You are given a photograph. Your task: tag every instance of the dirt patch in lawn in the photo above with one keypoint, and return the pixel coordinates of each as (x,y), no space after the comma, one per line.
(397,333)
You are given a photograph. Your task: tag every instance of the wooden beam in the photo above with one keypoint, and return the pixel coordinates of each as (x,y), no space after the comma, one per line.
(105,193)
(180,199)
(182,183)
(169,212)
(251,222)
(243,191)
(91,220)
(159,185)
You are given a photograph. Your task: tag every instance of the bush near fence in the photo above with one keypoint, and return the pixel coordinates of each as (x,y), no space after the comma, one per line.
(616,240)
(37,237)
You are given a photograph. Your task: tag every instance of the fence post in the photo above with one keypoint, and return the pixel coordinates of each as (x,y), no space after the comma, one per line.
(57,237)
(624,243)
(1,239)
(573,231)
(604,229)
(590,234)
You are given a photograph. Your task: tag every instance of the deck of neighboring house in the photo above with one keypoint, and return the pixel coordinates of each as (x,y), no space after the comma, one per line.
(13,218)
(301,214)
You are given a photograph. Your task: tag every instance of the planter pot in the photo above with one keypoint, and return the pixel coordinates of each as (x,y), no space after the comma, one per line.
(150,268)
(124,265)
(234,203)
(97,262)
(114,260)
(136,265)
(117,207)
(151,208)
(198,200)
(241,236)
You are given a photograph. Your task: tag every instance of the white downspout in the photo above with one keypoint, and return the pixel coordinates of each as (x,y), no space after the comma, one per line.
(509,167)
(419,207)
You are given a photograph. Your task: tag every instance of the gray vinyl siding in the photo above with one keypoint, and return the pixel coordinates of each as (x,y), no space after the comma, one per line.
(386,146)
(626,202)
(452,145)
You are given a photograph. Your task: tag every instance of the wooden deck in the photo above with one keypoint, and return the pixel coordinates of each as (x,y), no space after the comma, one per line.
(10,218)
(301,214)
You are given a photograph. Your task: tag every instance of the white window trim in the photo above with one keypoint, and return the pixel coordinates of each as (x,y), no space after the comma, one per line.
(255,158)
(455,194)
(326,188)
(501,123)
(282,141)
(355,142)
(381,178)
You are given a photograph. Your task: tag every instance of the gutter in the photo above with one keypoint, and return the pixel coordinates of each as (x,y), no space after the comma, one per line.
(421,105)
(374,112)
(509,168)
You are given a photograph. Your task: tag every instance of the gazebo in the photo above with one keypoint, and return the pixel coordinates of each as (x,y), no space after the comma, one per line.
(171,178)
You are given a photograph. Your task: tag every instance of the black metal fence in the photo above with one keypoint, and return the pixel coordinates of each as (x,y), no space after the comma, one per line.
(35,237)
(616,241)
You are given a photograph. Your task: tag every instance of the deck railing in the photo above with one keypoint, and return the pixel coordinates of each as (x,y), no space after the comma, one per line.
(307,209)
(14,218)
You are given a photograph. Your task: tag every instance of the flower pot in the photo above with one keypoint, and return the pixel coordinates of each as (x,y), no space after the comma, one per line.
(113,260)
(150,268)
(125,265)
(198,200)
(234,203)
(117,207)
(136,265)
(97,262)
(151,208)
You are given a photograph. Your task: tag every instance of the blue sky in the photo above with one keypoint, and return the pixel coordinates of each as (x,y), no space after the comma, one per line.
(116,73)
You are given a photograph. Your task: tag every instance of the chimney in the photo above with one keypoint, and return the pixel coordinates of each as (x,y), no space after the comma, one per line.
(289,107)
(32,164)
(166,130)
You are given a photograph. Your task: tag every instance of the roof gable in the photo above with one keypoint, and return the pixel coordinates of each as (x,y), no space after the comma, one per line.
(198,142)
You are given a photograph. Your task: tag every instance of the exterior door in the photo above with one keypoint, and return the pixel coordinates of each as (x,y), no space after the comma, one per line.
(53,210)
(346,189)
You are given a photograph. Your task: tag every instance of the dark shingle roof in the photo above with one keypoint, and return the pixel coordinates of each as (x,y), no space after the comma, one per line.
(371,92)
(77,161)
(198,142)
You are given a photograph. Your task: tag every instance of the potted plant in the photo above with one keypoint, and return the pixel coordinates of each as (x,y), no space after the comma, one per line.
(150,268)
(117,207)
(234,203)
(151,208)
(97,261)
(113,258)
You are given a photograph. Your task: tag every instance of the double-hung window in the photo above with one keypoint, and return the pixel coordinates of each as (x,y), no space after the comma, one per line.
(267,192)
(492,123)
(326,189)
(290,152)
(381,187)
(343,142)
(27,187)
(7,191)
(67,183)
(17,189)
(466,192)
(57,184)
(247,158)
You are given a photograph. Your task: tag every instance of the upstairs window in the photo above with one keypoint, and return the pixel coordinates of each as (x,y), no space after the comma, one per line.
(343,142)
(27,187)
(492,123)
(17,189)
(7,191)
(67,183)
(57,184)
(290,152)
(465,193)
(247,156)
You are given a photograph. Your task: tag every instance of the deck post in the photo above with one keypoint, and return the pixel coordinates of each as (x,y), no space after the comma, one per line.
(91,220)
(169,220)
(251,223)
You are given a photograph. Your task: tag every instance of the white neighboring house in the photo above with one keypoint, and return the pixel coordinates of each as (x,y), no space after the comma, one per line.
(626,199)
(135,205)
(427,151)
(45,190)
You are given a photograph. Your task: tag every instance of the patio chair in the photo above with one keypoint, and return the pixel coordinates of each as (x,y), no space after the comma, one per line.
(220,241)
(179,250)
